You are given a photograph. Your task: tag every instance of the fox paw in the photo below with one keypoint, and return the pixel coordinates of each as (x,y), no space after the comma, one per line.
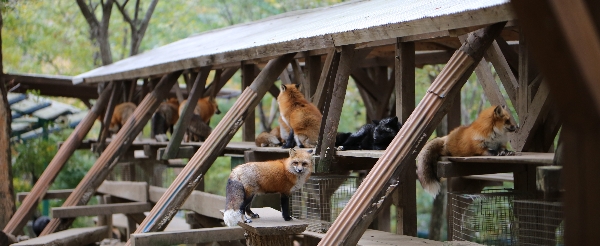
(248,221)
(254,216)
(287,218)
(506,153)
(339,148)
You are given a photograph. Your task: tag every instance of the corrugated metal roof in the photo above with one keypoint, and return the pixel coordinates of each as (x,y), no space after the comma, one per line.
(345,23)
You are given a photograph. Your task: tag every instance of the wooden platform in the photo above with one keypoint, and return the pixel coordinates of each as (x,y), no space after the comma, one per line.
(377,238)
(479,165)
(70,237)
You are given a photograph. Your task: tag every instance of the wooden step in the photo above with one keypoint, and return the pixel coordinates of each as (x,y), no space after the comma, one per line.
(70,237)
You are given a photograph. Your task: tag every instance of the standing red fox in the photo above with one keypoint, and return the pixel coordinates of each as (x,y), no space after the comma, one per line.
(279,176)
(487,135)
(300,115)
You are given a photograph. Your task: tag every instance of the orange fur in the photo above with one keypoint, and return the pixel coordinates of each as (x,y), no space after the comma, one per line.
(300,115)
(120,115)
(487,135)
(268,139)
(206,108)
(169,109)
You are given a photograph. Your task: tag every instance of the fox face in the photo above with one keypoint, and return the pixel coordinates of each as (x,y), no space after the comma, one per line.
(502,120)
(213,103)
(300,162)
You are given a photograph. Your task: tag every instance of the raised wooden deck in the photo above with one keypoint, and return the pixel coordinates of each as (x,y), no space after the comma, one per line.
(481,165)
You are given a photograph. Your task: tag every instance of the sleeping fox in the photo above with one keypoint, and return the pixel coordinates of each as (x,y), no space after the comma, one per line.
(279,176)
(487,135)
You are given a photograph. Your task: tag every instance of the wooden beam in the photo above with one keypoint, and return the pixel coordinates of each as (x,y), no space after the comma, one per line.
(184,184)
(329,69)
(200,202)
(538,109)
(67,149)
(313,73)
(249,127)
(71,237)
(358,213)
(133,191)
(50,194)
(104,209)
(192,236)
(98,173)
(188,110)
(106,119)
(446,169)
(406,208)
(504,70)
(335,109)
(225,76)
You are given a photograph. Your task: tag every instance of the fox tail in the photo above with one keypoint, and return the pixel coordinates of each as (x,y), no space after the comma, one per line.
(426,161)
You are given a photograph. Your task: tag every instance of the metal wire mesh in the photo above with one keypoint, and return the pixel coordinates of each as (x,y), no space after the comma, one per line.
(538,222)
(484,218)
(321,200)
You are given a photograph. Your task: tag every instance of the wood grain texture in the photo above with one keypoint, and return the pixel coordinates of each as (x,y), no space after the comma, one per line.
(71,237)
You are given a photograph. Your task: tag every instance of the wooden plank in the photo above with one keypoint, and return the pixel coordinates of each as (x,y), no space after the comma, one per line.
(406,208)
(104,209)
(50,194)
(119,145)
(133,191)
(446,169)
(21,216)
(329,68)
(359,212)
(200,202)
(503,69)
(71,237)
(511,56)
(313,73)
(188,110)
(189,177)
(374,237)
(501,177)
(249,127)
(192,236)
(488,83)
(327,148)
(520,158)
(529,123)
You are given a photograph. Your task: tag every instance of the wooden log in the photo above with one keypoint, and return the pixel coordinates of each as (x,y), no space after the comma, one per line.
(71,237)
(359,212)
(406,208)
(40,188)
(98,173)
(204,235)
(185,183)
(327,148)
(184,120)
(103,209)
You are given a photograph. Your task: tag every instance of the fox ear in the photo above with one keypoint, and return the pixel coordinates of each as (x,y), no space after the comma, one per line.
(376,122)
(394,120)
(293,152)
(282,87)
(498,111)
(297,86)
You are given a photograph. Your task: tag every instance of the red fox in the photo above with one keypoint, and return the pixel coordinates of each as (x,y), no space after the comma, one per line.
(269,139)
(164,119)
(487,135)
(300,115)
(121,114)
(278,176)
(206,108)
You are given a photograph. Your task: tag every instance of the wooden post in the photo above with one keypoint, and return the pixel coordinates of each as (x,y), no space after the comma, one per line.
(406,208)
(105,130)
(364,204)
(327,148)
(184,120)
(248,75)
(40,188)
(186,181)
(313,73)
(327,75)
(98,173)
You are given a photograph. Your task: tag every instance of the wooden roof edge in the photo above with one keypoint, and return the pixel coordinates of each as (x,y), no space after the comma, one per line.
(457,21)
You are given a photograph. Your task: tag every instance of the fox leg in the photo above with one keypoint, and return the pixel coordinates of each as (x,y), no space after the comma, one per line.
(285,207)
(247,209)
(290,141)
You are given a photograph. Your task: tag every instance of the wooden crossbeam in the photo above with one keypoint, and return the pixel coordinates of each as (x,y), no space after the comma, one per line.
(200,202)
(104,209)
(133,191)
(537,110)
(193,236)
(71,237)
(225,76)
(184,184)
(119,145)
(504,70)
(511,56)
(51,194)
(329,69)
(364,204)
(40,188)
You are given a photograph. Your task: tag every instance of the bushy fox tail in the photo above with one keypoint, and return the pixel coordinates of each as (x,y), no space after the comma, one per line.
(234,198)
(426,164)
(232,217)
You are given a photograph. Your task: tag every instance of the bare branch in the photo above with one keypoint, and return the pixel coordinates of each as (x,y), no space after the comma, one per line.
(136,11)
(88,14)
(125,15)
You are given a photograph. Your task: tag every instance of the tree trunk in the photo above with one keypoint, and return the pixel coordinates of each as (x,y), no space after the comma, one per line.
(7,201)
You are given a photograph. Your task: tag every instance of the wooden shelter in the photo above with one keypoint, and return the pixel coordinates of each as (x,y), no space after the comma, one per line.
(321,49)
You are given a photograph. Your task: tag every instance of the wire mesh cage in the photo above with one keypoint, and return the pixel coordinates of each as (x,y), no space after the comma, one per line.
(485,218)
(322,198)
(538,222)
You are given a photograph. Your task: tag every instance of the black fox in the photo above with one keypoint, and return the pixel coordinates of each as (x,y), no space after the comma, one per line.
(375,136)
